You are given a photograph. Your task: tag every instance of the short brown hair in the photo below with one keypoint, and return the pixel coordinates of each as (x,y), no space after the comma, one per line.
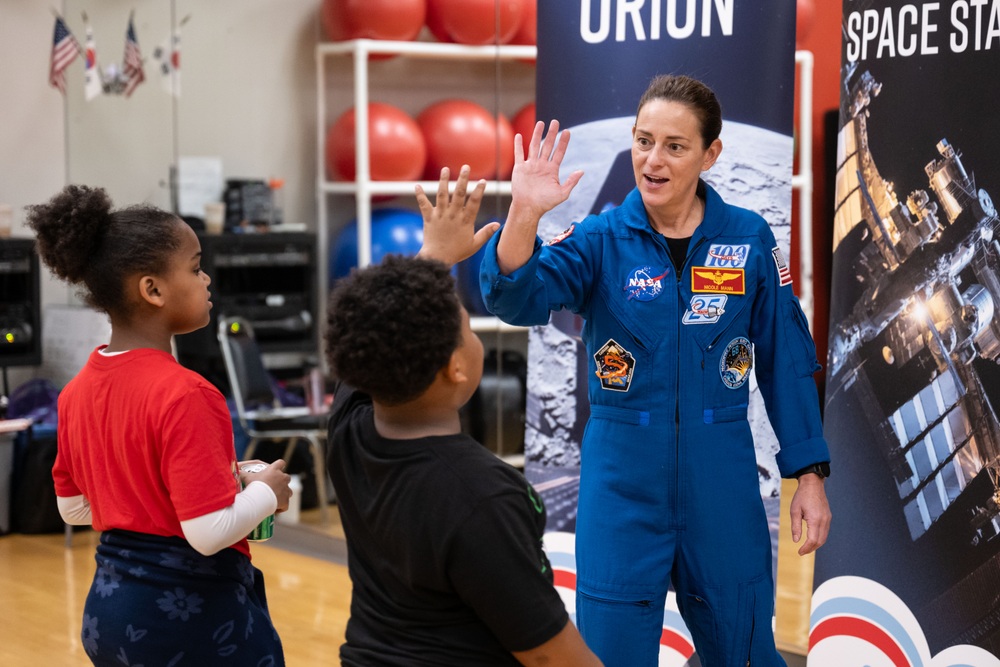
(692,93)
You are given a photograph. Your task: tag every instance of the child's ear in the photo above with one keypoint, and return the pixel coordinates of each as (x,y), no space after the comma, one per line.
(455,371)
(150,291)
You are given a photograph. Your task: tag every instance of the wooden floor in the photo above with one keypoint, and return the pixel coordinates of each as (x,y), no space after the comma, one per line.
(43,586)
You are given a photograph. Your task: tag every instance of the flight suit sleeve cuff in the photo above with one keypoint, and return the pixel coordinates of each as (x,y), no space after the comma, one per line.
(511,290)
(795,457)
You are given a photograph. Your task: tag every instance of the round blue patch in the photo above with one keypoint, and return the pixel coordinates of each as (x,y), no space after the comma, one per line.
(736,362)
(645,283)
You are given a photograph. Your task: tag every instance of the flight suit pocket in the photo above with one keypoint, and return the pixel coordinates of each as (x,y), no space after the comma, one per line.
(700,619)
(800,343)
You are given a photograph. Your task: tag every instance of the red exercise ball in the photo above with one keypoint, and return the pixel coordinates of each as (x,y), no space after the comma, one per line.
(506,136)
(805,15)
(396,147)
(436,24)
(528,32)
(373,19)
(524,124)
(475,21)
(459,132)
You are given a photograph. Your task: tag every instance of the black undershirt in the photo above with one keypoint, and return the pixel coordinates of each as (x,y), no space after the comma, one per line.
(678,251)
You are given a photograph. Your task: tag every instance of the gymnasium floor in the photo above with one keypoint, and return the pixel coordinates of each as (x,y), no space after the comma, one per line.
(43,586)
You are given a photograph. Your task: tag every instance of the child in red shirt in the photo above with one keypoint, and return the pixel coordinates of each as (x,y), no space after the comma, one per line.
(146,450)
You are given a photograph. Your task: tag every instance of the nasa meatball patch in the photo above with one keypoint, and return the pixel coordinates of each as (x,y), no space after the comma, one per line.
(645,283)
(736,362)
(615,366)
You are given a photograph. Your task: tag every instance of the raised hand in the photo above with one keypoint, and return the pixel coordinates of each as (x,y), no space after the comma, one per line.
(536,190)
(450,227)
(535,181)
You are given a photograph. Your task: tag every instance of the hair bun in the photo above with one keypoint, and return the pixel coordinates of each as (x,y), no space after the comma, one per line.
(70,228)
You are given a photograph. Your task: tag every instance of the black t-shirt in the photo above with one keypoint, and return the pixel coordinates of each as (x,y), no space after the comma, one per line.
(444,548)
(678,251)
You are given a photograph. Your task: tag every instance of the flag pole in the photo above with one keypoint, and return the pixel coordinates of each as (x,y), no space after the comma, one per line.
(175,199)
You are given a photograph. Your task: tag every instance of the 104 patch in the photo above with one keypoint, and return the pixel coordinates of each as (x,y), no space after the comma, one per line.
(727,256)
(736,362)
(645,283)
(615,366)
(705,309)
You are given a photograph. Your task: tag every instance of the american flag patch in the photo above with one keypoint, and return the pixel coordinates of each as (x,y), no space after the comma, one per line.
(784,273)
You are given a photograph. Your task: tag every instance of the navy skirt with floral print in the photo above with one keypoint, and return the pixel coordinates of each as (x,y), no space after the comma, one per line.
(156,602)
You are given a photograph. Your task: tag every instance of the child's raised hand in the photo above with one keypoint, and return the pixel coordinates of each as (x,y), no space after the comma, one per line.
(450,227)
(275,477)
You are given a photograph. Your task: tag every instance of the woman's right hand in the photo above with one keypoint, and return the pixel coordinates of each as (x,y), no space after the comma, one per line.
(275,477)
(535,190)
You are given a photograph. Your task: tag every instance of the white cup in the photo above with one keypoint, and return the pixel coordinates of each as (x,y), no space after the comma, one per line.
(215,217)
(6,220)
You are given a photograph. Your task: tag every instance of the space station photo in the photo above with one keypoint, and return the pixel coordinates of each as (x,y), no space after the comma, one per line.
(913,381)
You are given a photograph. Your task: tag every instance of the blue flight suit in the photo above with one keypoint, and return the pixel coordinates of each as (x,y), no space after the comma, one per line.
(669,487)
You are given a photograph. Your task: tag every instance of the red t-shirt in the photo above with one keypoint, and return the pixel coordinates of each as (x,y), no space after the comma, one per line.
(148,442)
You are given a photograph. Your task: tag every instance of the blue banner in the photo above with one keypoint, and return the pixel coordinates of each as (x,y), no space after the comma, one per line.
(911,572)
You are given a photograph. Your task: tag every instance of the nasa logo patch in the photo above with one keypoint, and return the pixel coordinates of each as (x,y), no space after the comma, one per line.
(721,255)
(645,283)
(615,366)
(736,362)
(705,309)
(562,236)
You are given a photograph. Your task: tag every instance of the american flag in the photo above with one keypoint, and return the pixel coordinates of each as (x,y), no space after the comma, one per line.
(65,49)
(133,61)
(784,273)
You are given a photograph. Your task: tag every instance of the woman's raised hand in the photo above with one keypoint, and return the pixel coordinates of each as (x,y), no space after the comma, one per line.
(536,190)
(450,227)
(535,181)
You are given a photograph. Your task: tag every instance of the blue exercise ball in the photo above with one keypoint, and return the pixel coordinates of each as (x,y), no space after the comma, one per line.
(396,231)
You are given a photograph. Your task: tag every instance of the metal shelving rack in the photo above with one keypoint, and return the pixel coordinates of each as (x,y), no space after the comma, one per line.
(363,188)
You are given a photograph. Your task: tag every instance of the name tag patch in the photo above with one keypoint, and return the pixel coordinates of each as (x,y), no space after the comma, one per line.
(645,283)
(615,366)
(718,281)
(736,362)
(705,309)
(723,256)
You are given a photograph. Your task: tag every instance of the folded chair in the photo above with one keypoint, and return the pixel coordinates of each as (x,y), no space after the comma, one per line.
(269,420)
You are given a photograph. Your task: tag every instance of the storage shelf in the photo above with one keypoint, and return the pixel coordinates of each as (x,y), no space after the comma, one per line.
(427,50)
(406,187)
(491,324)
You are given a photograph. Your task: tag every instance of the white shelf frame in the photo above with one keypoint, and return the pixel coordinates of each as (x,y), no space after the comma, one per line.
(803,182)
(363,188)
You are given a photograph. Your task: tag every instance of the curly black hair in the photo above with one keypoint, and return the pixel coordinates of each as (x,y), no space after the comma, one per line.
(83,241)
(391,327)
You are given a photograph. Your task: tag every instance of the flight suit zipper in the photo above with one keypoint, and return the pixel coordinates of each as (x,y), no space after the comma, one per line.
(728,326)
(677,374)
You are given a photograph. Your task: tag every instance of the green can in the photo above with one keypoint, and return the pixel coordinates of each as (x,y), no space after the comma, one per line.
(265,529)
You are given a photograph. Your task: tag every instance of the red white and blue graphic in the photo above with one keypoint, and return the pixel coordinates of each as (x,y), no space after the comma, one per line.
(862,619)
(676,645)
(705,309)
(645,283)
(727,256)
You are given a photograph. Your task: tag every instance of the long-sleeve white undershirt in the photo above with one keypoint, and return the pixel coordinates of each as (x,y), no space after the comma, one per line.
(209,533)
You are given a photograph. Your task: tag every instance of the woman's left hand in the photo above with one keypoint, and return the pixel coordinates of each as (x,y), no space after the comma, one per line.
(450,227)
(810,505)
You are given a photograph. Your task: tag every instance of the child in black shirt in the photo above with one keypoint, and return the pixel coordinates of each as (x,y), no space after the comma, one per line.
(444,539)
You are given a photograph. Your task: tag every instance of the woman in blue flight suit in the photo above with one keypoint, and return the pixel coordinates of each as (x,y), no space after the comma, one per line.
(682,295)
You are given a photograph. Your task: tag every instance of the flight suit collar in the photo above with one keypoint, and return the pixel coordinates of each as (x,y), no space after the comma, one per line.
(712,225)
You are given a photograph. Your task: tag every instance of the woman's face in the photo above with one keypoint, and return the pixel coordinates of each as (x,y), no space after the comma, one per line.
(668,154)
